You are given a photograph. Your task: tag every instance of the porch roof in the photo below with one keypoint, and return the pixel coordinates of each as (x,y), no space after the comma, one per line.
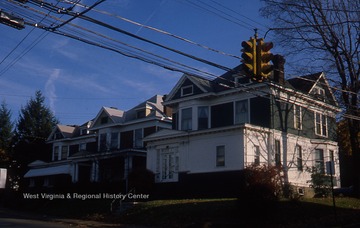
(47,171)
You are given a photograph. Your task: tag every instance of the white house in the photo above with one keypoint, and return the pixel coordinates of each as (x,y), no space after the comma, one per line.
(223,125)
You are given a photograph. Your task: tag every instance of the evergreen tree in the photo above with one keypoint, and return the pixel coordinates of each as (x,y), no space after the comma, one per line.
(34,125)
(6,132)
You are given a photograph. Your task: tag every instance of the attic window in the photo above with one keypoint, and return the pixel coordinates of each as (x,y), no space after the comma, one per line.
(84,131)
(141,114)
(104,120)
(319,93)
(187,90)
(242,80)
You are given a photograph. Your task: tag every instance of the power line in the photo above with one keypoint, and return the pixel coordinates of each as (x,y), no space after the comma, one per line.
(160,31)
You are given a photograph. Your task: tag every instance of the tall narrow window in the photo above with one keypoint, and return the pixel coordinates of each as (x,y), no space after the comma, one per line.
(186,119)
(299,160)
(320,124)
(297,117)
(114,140)
(220,156)
(257,155)
(56,153)
(64,152)
(277,153)
(138,138)
(332,159)
(241,112)
(103,142)
(203,117)
(319,160)
(167,166)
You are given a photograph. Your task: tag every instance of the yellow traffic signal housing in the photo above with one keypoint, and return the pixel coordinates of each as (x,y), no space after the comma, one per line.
(264,58)
(249,57)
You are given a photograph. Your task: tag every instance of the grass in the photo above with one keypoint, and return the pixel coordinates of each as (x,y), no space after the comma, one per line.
(231,213)
(316,212)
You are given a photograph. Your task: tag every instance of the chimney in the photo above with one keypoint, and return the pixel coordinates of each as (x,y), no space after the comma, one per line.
(279,69)
(166,110)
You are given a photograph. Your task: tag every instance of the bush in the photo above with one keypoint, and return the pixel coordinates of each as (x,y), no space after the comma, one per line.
(261,188)
(320,183)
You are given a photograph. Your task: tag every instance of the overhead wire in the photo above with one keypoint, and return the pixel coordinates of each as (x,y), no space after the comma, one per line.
(94,43)
(159,30)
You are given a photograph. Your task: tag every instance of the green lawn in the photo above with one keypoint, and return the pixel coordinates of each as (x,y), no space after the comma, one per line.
(210,212)
(231,213)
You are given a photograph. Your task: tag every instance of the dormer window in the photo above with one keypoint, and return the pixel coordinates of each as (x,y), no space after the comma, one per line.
(242,80)
(187,90)
(104,120)
(84,131)
(319,93)
(140,114)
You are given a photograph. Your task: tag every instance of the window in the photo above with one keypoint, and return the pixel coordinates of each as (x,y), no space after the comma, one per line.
(277,153)
(319,93)
(186,119)
(257,155)
(82,147)
(241,112)
(64,152)
(141,114)
(114,144)
(297,117)
(319,160)
(299,161)
(167,165)
(331,155)
(138,138)
(222,115)
(220,156)
(320,124)
(203,117)
(84,131)
(104,120)
(187,90)
(56,153)
(242,80)
(103,143)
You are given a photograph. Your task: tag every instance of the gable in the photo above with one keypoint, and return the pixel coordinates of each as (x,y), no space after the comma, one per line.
(189,86)
(61,132)
(315,85)
(108,116)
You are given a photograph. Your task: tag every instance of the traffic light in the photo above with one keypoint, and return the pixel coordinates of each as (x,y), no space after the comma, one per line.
(264,57)
(249,57)
(11,20)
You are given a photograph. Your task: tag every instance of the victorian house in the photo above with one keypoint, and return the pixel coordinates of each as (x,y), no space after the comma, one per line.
(104,150)
(224,125)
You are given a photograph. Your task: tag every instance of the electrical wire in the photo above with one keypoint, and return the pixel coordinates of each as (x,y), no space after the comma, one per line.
(110,48)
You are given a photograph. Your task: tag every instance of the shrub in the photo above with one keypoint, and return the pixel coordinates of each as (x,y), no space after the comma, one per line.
(261,187)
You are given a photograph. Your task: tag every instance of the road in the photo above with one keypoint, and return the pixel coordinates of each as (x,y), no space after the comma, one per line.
(16,219)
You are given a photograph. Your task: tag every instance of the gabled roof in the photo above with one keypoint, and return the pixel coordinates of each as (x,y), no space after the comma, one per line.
(66,131)
(201,84)
(307,83)
(115,115)
(304,84)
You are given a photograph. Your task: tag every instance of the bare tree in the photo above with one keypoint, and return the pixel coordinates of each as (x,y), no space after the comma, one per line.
(325,34)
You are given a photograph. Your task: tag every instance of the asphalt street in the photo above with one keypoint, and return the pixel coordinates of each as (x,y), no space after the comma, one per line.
(18,219)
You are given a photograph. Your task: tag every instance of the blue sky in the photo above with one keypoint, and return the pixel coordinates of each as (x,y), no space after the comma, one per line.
(77,79)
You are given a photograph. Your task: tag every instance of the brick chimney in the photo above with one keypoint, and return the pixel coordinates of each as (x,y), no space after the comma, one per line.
(279,69)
